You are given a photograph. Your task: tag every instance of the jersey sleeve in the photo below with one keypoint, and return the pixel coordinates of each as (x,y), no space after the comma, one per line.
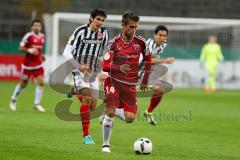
(105,40)
(147,58)
(25,39)
(107,56)
(203,54)
(76,37)
(220,55)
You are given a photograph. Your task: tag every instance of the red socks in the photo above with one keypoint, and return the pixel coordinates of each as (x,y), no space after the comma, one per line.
(85,117)
(155,100)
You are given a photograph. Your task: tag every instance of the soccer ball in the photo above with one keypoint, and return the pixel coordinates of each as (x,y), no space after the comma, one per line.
(142,146)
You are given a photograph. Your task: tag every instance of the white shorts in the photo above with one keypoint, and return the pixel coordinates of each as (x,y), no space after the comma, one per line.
(89,81)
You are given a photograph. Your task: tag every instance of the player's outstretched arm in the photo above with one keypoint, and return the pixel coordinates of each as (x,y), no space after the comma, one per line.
(162,61)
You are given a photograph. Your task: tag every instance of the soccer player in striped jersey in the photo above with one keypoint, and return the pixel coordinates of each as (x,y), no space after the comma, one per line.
(156,46)
(83,50)
(32,44)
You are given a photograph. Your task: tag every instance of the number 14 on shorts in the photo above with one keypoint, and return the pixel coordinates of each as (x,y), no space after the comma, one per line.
(110,89)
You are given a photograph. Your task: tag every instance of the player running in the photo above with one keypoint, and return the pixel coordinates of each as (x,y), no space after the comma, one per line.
(84,47)
(32,44)
(156,45)
(121,62)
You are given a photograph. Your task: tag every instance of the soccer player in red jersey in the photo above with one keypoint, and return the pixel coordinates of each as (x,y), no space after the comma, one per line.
(121,61)
(32,44)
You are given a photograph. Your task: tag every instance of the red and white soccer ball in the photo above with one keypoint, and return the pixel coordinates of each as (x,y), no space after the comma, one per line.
(143,146)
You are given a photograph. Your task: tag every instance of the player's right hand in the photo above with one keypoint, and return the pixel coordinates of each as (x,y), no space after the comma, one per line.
(33,51)
(125,68)
(84,69)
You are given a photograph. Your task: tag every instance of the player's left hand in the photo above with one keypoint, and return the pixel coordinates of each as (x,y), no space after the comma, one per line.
(102,78)
(170,60)
(43,58)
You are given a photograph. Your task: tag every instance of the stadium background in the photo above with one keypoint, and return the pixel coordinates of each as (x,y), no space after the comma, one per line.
(184,45)
(195,125)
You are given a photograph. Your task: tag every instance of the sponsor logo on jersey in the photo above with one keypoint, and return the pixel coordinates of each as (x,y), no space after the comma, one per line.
(127,56)
(91,41)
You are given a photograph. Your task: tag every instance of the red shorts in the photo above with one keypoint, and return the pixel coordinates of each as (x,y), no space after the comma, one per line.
(121,95)
(26,74)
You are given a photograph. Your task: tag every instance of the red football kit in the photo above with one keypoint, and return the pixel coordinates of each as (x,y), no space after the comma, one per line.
(32,64)
(120,86)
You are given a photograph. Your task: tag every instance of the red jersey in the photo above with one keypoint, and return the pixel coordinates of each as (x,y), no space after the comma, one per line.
(31,40)
(120,52)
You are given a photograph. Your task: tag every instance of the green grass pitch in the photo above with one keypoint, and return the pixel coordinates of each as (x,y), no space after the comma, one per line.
(192,125)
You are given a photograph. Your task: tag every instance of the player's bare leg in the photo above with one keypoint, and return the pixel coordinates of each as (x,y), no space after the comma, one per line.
(155,100)
(38,93)
(85,114)
(107,127)
(20,86)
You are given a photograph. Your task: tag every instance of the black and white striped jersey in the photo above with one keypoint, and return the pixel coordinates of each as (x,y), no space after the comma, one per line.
(88,45)
(155,50)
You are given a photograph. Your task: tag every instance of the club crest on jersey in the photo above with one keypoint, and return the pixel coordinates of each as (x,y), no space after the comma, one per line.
(100,35)
(136,47)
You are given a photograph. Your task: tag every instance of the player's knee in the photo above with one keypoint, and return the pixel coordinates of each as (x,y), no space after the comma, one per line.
(41,84)
(23,84)
(129,119)
(157,90)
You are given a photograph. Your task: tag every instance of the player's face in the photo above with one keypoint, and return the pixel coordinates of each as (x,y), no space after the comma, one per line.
(212,39)
(130,28)
(36,27)
(160,37)
(97,23)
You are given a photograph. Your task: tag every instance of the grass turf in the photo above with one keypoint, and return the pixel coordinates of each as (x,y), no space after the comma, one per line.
(192,125)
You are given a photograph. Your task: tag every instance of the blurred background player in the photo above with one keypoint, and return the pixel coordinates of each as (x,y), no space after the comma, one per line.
(121,61)
(211,54)
(156,45)
(85,46)
(32,44)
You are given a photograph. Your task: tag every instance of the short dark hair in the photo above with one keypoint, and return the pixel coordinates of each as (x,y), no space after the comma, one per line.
(160,28)
(35,21)
(98,12)
(127,16)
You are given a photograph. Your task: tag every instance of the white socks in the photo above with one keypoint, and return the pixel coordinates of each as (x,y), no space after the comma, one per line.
(107,130)
(16,92)
(38,95)
(120,113)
